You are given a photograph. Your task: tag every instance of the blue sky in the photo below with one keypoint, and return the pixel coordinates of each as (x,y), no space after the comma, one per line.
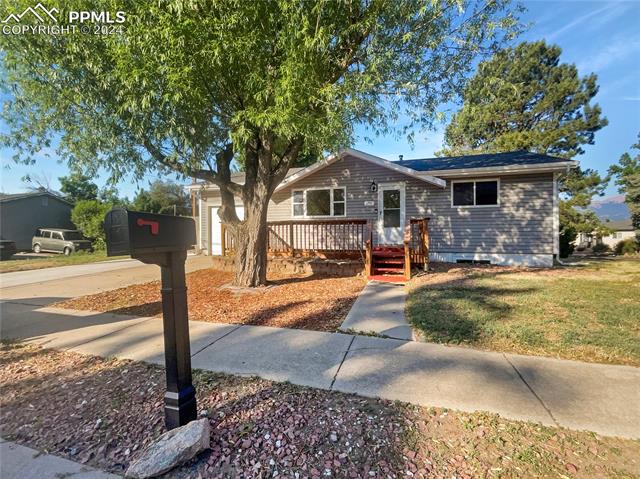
(600,36)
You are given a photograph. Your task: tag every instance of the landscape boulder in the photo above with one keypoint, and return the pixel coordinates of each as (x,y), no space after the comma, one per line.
(173,448)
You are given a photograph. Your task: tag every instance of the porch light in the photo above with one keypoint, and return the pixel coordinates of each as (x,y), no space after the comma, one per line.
(373,187)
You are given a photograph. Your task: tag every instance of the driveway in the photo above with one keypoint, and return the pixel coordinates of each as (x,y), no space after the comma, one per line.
(19,278)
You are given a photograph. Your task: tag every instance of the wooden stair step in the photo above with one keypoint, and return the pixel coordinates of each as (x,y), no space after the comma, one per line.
(383,269)
(388,254)
(391,261)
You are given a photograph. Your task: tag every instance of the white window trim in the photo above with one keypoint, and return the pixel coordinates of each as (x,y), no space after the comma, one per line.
(331,201)
(474,180)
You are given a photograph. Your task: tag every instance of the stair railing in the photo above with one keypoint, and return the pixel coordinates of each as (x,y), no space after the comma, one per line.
(407,251)
(368,264)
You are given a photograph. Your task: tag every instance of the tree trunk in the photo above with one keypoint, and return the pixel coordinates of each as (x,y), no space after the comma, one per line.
(251,246)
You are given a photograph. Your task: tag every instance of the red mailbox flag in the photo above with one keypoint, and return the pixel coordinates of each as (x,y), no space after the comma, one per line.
(155,226)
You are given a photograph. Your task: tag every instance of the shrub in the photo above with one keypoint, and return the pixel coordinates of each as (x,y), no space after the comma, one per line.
(627,246)
(601,248)
(88,216)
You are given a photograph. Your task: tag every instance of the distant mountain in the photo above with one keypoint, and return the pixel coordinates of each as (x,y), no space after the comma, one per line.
(612,208)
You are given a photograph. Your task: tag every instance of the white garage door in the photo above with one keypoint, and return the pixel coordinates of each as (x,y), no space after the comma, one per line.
(216,231)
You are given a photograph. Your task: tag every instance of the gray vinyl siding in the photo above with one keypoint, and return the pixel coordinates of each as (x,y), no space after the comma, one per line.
(521,224)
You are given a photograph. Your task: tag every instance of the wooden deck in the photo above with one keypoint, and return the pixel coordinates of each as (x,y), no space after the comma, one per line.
(347,238)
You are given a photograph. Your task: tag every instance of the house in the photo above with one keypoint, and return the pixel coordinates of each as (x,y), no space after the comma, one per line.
(622,230)
(493,208)
(22,213)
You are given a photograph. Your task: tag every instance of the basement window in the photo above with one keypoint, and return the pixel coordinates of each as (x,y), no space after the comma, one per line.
(473,261)
(318,202)
(475,193)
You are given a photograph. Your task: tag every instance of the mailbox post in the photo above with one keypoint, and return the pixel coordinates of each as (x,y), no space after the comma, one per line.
(163,240)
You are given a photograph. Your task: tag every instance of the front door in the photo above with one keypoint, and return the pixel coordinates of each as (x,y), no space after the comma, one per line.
(216,229)
(391,213)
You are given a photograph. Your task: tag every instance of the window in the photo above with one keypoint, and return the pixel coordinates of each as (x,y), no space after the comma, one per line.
(391,208)
(56,235)
(319,202)
(474,193)
(46,234)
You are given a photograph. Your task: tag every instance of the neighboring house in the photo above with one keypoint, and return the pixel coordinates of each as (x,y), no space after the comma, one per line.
(498,208)
(622,230)
(22,213)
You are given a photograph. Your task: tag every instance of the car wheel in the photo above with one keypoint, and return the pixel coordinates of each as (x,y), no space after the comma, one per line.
(67,251)
(36,248)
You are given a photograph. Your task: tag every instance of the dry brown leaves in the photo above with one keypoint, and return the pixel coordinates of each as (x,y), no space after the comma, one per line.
(302,302)
(103,413)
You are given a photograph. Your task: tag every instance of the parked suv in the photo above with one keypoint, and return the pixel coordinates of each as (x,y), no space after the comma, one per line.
(55,240)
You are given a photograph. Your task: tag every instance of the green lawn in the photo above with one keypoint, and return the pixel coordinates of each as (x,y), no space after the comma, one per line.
(589,312)
(57,260)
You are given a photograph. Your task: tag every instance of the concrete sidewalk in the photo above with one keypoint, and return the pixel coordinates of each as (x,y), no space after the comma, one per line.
(20,462)
(600,398)
(379,309)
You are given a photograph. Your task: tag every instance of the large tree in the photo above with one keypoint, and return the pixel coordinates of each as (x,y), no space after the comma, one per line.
(523,98)
(78,186)
(164,197)
(627,178)
(193,85)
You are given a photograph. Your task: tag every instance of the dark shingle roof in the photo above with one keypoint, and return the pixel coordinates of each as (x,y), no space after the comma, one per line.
(18,196)
(485,160)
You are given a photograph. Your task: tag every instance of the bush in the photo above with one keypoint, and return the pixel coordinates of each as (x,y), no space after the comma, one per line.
(88,216)
(567,236)
(627,246)
(600,248)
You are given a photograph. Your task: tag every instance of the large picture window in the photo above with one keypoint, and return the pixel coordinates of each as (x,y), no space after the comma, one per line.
(475,193)
(319,202)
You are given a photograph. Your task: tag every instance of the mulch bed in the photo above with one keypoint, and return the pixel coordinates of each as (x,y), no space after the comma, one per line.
(303,302)
(103,412)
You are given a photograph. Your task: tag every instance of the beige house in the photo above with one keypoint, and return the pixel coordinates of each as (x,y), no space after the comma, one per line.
(622,230)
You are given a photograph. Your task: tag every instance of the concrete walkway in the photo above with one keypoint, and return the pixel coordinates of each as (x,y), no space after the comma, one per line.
(20,462)
(573,394)
(379,310)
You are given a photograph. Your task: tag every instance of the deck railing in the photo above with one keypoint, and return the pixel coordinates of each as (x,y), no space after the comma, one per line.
(336,237)
(307,237)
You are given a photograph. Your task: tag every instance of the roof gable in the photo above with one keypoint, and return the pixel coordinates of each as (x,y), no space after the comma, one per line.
(303,173)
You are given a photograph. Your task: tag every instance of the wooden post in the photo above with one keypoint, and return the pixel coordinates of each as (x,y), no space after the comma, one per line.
(425,243)
(292,250)
(407,251)
(223,238)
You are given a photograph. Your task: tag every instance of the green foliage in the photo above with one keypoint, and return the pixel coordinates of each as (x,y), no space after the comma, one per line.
(186,77)
(627,246)
(88,216)
(78,186)
(568,235)
(523,98)
(627,178)
(600,248)
(163,197)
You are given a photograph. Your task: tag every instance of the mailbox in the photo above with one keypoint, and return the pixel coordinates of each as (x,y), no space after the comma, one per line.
(163,240)
(135,233)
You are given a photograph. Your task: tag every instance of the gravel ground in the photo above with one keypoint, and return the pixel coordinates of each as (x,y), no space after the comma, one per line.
(103,412)
(302,302)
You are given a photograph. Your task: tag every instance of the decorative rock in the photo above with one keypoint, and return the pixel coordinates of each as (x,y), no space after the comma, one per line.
(171,449)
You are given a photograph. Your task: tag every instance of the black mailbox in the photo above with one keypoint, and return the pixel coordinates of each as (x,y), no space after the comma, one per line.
(163,240)
(135,233)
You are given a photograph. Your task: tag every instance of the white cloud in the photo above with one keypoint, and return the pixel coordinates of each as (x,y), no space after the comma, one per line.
(577,22)
(617,50)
